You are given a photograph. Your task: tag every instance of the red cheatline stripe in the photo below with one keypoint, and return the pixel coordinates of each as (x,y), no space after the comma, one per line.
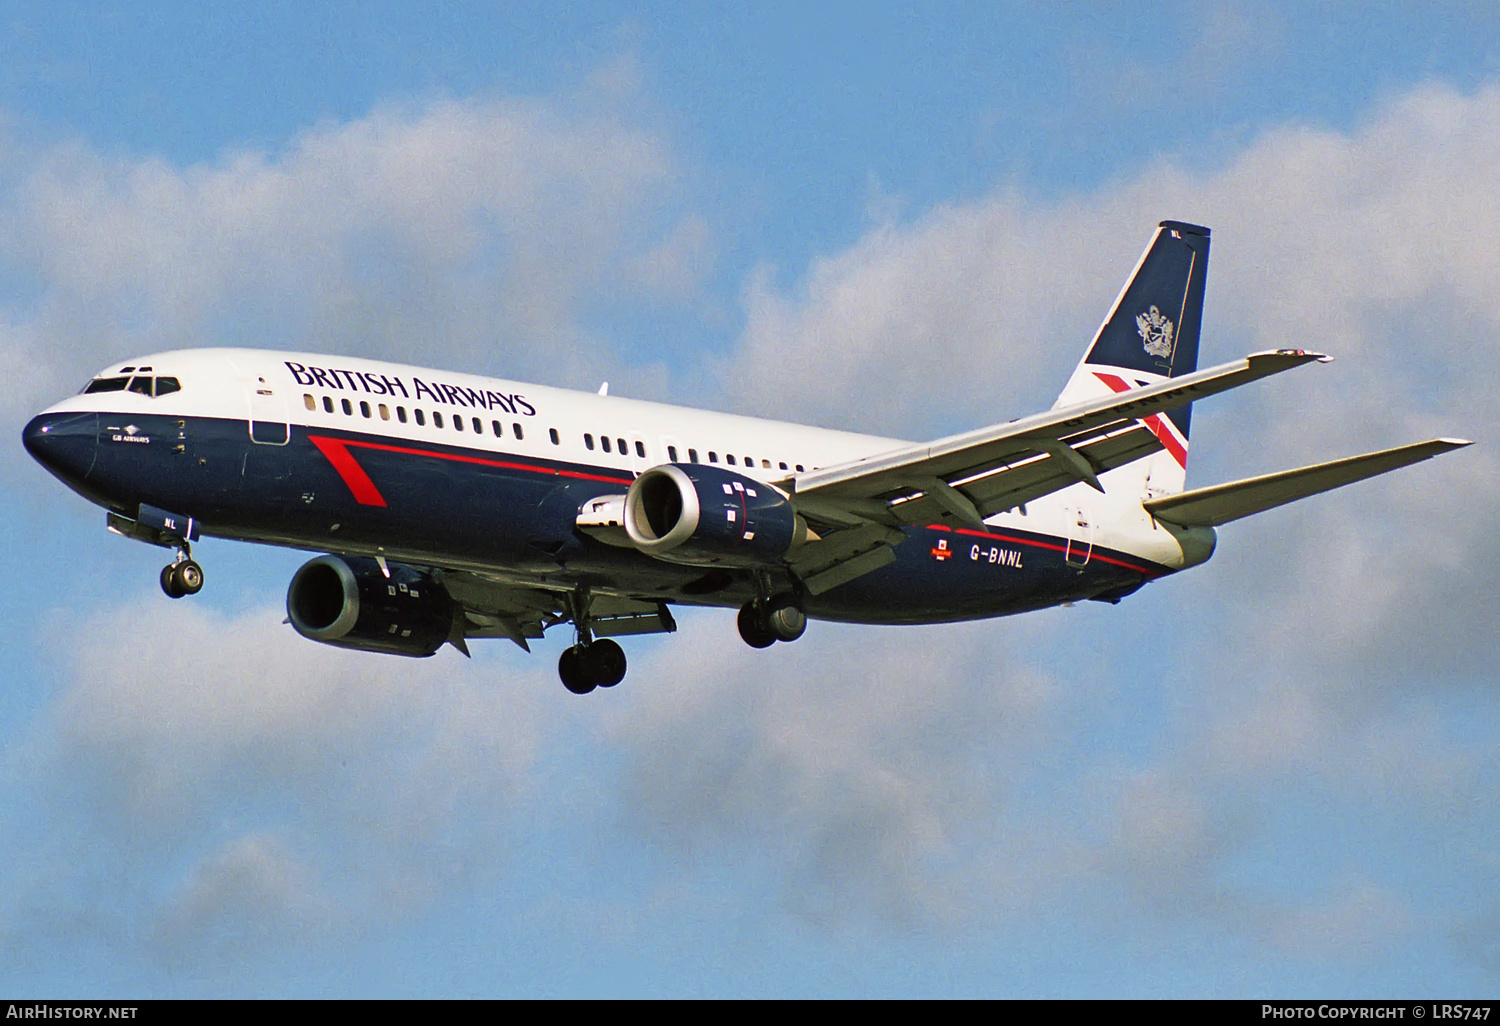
(365,492)
(1059,548)
(1148,571)
(1154,423)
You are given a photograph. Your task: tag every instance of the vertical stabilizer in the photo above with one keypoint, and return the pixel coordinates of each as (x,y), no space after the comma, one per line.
(1149,335)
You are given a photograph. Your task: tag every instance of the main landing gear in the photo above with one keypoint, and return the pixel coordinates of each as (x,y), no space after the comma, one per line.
(592,662)
(779,618)
(182,576)
(597,664)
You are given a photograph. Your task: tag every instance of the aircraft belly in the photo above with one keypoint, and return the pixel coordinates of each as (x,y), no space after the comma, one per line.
(943,575)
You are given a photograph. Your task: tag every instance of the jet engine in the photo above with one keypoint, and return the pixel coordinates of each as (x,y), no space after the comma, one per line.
(702,515)
(350,602)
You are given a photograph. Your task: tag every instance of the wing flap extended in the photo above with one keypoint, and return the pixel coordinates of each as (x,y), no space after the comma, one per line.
(1221,504)
(494,609)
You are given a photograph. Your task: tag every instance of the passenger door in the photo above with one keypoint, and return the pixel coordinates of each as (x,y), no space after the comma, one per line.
(269,423)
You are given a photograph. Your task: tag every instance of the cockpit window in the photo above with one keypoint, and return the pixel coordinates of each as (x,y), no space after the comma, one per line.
(140,384)
(106,385)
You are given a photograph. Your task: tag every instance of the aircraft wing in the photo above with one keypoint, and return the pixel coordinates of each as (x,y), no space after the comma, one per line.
(497,609)
(1221,504)
(967,477)
(858,507)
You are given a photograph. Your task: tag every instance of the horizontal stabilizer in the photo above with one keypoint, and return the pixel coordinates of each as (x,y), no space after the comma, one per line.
(1220,504)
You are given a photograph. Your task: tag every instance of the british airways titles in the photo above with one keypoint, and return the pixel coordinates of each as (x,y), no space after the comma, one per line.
(386,384)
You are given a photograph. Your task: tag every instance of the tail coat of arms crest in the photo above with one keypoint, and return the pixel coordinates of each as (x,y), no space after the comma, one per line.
(1156,332)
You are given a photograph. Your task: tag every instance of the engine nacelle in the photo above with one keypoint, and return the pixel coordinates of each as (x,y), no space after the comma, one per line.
(348,601)
(702,515)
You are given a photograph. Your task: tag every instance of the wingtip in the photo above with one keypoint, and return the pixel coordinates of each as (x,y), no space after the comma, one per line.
(1301,355)
(1456,443)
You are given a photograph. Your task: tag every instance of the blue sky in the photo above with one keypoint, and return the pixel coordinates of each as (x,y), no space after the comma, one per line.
(1273,776)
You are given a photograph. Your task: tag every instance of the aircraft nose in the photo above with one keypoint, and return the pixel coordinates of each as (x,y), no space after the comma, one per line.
(64,443)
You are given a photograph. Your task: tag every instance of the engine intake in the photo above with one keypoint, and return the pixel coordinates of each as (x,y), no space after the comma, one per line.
(349,602)
(701,515)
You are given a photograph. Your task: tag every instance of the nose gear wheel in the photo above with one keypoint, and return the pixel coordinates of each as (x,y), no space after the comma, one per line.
(184,577)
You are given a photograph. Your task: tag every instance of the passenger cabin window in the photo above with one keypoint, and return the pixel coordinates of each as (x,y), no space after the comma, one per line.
(385,412)
(495,426)
(401,414)
(640,449)
(364,409)
(553,433)
(713,457)
(327,404)
(437,419)
(728,458)
(519,436)
(478,428)
(799,468)
(671,454)
(348,407)
(588,442)
(458,422)
(421,418)
(692,455)
(624,449)
(781,465)
(309,401)
(604,442)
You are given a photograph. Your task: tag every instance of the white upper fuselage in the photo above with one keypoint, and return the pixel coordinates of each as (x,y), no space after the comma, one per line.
(223,383)
(389,399)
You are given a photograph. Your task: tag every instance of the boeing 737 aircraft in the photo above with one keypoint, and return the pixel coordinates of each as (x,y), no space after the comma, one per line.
(454,507)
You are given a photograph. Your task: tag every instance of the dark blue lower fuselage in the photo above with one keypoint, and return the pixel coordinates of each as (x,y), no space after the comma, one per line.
(513,516)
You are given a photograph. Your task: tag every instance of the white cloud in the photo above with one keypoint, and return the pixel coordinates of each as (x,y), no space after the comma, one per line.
(1322,241)
(251,895)
(958,310)
(865,765)
(871,773)
(1357,922)
(476,233)
(1379,246)
(307,790)
(1334,633)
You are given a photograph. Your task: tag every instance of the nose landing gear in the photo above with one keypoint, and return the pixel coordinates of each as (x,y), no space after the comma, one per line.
(168,530)
(182,576)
